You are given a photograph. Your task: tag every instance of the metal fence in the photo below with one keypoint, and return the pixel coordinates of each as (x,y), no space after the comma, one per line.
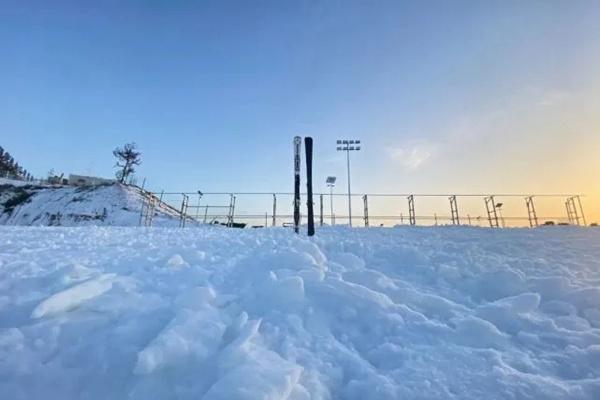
(262,209)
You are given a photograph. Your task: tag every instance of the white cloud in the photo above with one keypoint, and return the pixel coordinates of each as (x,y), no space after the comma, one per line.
(411,157)
(553,99)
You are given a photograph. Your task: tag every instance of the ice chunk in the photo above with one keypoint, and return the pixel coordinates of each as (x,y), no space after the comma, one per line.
(176,261)
(268,378)
(196,298)
(73,297)
(190,334)
(289,290)
(476,332)
(523,303)
(249,371)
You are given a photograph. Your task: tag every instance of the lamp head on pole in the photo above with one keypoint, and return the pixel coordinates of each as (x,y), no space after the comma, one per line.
(348,145)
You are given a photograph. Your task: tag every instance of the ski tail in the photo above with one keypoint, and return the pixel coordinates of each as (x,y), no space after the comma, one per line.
(297,145)
(308,149)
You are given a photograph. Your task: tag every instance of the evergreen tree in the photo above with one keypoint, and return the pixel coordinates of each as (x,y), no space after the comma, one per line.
(10,164)
(2,161)
(9,167)
(5,163)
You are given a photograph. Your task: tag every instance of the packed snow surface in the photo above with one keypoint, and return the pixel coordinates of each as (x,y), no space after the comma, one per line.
(216,313)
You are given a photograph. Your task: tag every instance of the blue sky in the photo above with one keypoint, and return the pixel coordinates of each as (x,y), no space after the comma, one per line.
(446,96)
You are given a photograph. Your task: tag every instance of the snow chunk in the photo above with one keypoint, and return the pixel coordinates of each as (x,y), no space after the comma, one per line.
(476,332)
(73,297)
(176,261)
(523,303)
(248,371)
(190,333)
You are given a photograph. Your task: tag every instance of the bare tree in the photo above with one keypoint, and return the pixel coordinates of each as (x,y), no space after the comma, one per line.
(127,158)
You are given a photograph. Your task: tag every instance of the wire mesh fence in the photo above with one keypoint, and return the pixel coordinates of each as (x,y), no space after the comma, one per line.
(265,209)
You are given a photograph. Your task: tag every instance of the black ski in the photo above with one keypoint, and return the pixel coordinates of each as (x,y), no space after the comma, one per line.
(308,149)
(297,144)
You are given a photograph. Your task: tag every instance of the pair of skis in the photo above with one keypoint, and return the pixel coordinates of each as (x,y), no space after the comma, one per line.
(308,147)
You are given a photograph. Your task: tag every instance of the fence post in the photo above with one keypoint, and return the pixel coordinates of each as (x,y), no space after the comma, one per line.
(142,211)
(183,212)
(411,210)
(231,210)
(321,210)
(573,207)
(274,222)
(490,206)
(366,210)
(531,214)
(581,210)
(454,210)
(568,207)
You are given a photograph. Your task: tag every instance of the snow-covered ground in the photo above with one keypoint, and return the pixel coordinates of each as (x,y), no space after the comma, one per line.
(112,204)
(13,182)
(215,313)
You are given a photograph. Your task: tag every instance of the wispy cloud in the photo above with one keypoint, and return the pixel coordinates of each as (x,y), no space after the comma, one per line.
(553,98)
(412,157)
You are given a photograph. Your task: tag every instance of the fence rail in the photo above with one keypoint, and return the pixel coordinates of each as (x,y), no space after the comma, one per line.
(261,209)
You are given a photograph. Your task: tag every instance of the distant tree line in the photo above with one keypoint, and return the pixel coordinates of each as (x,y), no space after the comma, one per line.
(10,168)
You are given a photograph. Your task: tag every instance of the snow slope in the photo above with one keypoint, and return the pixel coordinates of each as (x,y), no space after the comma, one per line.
(112,204)
(208,313)
(13,182)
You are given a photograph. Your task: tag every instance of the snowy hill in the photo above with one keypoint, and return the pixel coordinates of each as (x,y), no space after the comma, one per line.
(111,204)
(208,313)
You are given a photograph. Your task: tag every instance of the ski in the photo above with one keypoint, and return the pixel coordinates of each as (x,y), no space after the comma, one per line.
(308,149)
(297,144)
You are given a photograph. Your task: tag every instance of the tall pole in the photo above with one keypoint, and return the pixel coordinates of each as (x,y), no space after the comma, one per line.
(348,146)
(349,195)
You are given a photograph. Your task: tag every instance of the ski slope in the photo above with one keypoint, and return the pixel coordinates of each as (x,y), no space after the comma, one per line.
(216,313)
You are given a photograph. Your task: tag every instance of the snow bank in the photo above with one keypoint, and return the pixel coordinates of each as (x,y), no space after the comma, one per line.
(111,204)
(209,313)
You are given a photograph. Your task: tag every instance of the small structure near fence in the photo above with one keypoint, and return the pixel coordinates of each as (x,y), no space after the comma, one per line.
(221,208)
(82,180)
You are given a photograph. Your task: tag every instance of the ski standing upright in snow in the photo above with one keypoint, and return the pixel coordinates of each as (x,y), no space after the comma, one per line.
(308,149)
(297,145)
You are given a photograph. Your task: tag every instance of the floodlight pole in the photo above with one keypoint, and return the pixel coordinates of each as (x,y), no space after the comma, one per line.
(347,146)
(349,195)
